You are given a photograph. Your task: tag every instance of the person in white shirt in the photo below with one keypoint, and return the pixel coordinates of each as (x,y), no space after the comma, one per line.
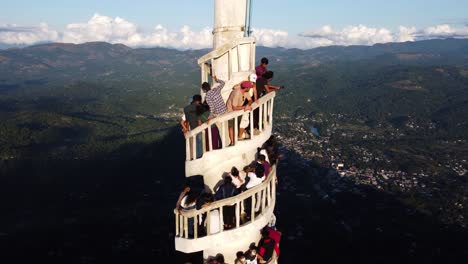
(254,179)
(237,179)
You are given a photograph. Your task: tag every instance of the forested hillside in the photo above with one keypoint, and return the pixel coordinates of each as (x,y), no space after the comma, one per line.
(80,101)
(91,154)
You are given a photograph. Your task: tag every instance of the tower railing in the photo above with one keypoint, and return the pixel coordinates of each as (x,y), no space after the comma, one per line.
(265,117)
(264,193)
(228,51)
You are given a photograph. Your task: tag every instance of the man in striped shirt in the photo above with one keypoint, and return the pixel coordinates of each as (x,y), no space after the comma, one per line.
(214,99)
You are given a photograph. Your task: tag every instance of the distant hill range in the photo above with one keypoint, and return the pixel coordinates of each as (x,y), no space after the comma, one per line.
(425,81)
(91,61)
(99,60)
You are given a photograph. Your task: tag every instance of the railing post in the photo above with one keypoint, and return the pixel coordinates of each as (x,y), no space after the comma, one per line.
(242,206)
(230,64)
(252,209)
(236,130)
(210,138)
(238,214)
(268,193)
(187,148)
(239,64)
(181,226)
(273,195)
(195,226)
(251,117)
(176,224)
(263,192)
(203,141)
(271,111)
(223,134)
(260,117)
(208,223)
(268,111)
(203,72)
(221,227)
(186,227)
(194,147)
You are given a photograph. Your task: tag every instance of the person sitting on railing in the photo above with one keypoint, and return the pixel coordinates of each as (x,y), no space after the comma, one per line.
(191,115)
(204,113)
(187,201)
(185,126)
(264,86)
(239,99)
(227,190)
(272,148)
(262,68)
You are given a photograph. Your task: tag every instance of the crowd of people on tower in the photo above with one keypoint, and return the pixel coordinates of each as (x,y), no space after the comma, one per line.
(195,196)
(242,96)
(264,251)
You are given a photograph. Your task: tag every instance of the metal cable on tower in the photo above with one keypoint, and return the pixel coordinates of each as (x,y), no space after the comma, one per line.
(248,18)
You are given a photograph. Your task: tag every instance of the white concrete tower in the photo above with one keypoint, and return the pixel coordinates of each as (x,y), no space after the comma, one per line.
(229,27)
(229,21)
(232,60)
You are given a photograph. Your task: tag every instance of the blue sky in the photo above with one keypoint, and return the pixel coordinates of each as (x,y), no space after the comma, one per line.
(328,19)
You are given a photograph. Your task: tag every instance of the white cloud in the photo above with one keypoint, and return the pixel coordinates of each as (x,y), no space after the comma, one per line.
(405,34)
(363,35)
(271,37)
(16,35)
(119,30)
(351,35)
(442,31)
(101,28)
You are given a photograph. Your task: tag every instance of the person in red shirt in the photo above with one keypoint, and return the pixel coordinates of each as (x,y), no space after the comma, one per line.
(262,68)
(266,165)
(266,246)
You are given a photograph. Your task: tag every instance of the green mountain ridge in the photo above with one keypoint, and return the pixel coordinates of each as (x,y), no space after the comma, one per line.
(91,94)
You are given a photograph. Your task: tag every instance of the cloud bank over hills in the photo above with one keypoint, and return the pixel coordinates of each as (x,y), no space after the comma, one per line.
(119,30)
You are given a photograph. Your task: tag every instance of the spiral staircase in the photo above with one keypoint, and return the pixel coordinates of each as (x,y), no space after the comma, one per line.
(232,60)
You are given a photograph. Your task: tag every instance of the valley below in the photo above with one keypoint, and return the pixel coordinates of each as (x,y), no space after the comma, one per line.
(373,144)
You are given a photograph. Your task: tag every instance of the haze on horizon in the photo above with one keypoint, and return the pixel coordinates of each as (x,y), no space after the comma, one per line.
(187,24)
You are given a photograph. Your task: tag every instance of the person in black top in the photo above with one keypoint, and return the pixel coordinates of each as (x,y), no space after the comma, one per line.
(263,84)
(226,190)
(193,120)
(263,87)
(266,246)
